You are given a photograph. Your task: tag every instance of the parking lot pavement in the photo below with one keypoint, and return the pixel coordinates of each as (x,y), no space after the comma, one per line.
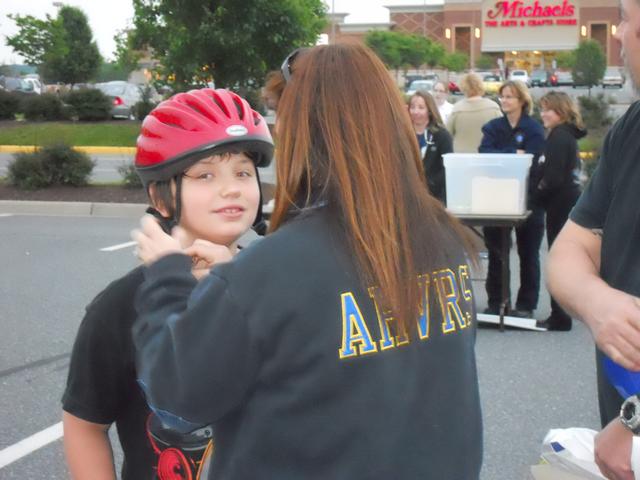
(53,266)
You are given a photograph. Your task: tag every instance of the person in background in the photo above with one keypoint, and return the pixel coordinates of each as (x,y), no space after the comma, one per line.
(433,140)
(440,94)
(470,114)
(342,344)
(559,186)
(516,132)
(593,269)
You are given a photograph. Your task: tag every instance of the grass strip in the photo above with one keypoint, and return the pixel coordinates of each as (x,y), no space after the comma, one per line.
(102,134)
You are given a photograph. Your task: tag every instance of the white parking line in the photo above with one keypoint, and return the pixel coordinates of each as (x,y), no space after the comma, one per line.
(30,444)
(6,214)
(117,247)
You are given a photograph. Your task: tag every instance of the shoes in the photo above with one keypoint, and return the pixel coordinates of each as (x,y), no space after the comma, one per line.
(556,324)
(520,313)
(492,310)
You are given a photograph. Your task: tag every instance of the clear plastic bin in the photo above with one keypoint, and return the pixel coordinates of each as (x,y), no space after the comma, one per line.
(487,183)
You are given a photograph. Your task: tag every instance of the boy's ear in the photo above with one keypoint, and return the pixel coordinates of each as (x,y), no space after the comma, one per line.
(156,201)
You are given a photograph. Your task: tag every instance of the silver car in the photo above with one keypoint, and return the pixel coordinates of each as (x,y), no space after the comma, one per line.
(423,85)
(612,78)
(123,97)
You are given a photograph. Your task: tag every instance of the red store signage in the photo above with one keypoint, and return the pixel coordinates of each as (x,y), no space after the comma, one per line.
(513,13)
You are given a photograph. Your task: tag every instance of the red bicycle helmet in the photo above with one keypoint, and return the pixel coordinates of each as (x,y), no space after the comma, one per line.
(193,125)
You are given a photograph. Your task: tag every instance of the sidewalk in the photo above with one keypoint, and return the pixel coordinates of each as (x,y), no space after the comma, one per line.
(84,209)
(88,150)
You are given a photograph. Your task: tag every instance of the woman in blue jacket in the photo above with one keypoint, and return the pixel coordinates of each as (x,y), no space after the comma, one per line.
(516,132)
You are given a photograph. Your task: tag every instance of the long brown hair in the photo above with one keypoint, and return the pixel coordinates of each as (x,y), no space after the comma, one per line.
(345,139)
(564,106)
(435,120)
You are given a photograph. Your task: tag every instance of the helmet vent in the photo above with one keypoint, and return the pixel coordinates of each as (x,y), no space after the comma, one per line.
(239,107)
(221,105)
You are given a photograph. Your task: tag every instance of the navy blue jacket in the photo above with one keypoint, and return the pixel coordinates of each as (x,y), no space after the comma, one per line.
(292,358)
(499,137)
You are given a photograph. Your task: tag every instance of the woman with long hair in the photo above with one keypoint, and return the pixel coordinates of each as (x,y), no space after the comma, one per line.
(559,187)
(341,345)
(433,140)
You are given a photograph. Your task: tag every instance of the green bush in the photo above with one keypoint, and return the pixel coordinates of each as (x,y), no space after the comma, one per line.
(47,106)
(9,105)
(51,165)
(595,112)
(66,166)
(89,104)
(27,172)
(130,177)
(145,105)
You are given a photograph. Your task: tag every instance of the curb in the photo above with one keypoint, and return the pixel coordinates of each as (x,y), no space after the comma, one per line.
(89,150)
(73,209)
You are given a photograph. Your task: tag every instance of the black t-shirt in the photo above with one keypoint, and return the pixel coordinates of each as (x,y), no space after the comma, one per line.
(101,386)
(610,203)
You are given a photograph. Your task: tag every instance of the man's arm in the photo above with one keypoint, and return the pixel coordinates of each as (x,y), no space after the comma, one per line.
(87,449)
(574,281)
(613,447)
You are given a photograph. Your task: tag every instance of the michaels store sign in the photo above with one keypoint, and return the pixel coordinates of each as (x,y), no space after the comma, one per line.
(521,25)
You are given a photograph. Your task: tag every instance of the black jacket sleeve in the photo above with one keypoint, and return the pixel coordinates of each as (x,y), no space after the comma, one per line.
(559,153)
(195,358)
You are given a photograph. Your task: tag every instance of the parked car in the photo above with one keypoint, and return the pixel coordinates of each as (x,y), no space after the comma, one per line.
(520,75)
(491,83)
(453,87)
(15,84)
(612,78)
(34,80)
(540,78)
(424,85)
(409,79)
(561,78)
(123,96)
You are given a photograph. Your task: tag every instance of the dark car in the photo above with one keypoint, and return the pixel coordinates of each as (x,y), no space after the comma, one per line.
(540,78)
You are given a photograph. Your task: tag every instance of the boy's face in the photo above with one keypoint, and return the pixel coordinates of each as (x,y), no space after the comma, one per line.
(220,198)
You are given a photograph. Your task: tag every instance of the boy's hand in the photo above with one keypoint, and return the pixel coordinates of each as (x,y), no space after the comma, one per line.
(205,255)
(153,243)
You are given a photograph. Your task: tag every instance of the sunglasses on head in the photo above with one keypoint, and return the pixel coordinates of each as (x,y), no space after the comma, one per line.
(288,63)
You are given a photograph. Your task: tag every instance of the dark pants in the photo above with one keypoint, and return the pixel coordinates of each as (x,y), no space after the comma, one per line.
(558,208)
(609,399)
(528,238)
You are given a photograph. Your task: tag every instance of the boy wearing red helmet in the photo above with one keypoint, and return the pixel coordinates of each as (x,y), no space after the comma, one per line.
(197,155)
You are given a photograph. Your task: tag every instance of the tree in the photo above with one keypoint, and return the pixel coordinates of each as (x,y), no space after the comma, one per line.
(126,54)
(61,47)
(485,62)
(455,61)
(387,46)
(435,54)
(590,64)
(232,42)
(566,59)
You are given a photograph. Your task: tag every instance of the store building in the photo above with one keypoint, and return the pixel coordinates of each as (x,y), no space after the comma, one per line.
(525,34)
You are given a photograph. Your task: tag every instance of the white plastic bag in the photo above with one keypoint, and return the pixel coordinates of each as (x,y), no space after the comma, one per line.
(571,450)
